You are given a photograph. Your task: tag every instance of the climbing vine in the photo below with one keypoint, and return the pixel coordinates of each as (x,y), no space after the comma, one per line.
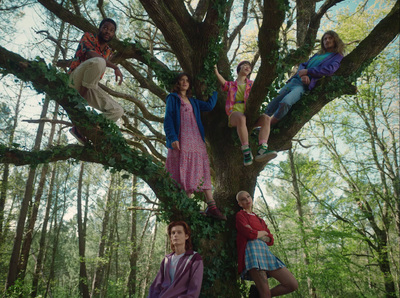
(114,153)
(215,46)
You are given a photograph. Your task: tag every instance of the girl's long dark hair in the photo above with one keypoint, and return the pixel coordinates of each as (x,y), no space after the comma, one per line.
(176,87)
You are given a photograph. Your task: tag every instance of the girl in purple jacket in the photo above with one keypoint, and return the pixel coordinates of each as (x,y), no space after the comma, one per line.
(181,272)
(324,63)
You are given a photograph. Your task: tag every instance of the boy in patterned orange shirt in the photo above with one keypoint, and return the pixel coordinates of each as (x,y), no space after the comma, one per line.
(87,68)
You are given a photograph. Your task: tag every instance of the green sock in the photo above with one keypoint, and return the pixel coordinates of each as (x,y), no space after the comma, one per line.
(211,204)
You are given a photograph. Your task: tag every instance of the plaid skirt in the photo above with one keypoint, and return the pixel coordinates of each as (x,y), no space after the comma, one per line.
(260,257)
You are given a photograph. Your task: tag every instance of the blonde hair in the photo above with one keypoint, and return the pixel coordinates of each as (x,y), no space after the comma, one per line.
(239,193)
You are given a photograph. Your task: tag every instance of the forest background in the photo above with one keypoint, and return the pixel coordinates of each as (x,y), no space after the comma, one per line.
(90,220)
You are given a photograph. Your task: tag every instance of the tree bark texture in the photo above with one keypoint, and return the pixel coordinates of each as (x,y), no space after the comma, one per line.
(83,278)
(57,225)
(39,192)
(4,180)
(190,40)
(43,235)
(133,258)
(100,265)
(18,256)
(147,280)
(26,246)
(303,236)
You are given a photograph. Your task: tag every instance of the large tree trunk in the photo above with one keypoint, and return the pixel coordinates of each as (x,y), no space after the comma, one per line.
(191,40)
(15,254)
(305,10)
(384,265)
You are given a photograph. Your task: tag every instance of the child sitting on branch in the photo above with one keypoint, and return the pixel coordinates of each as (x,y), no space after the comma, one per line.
(325,63)
(235,107)
(87,68)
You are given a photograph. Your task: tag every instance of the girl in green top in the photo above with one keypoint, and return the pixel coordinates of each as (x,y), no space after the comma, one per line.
(235,106)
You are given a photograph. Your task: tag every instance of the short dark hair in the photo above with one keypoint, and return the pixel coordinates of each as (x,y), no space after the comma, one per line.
(110,21)
(240,65)
(186,228)
(176,88)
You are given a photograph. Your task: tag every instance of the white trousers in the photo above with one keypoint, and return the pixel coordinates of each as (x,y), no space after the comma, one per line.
(88,74)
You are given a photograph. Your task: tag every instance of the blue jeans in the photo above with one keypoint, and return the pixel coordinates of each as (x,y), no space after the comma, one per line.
(288,96)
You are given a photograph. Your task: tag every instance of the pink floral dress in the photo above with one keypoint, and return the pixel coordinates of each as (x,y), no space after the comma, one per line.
(189,166)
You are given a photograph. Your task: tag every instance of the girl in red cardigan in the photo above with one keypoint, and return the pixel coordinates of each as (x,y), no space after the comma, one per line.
(255,260)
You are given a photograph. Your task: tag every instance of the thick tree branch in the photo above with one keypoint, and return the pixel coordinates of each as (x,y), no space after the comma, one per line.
(156,133)
(239,27)
(304,10)
(55,40)
(329,88)
(106,145)
(174,34)
(181,15)
(137,102)
(305,48)
(20,158)
(383,34)
(189,39)
(274,15)
(124,49)
(52,121)
(225,37)
(144,82)
(201,10)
